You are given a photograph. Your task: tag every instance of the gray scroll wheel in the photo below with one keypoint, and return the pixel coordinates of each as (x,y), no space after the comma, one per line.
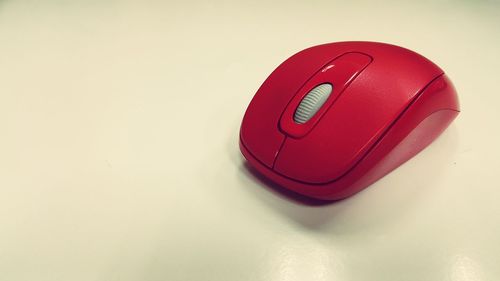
(312,102)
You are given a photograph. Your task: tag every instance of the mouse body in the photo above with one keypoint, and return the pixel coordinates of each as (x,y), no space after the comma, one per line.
(334,118)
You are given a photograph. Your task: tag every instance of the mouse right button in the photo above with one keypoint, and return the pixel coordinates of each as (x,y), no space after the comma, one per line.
(366,109)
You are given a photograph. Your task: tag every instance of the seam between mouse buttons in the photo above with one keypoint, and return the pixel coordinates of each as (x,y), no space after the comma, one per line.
(278,152)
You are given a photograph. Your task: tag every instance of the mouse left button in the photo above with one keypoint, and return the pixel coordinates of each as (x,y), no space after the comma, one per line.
(262,144)
(259,131)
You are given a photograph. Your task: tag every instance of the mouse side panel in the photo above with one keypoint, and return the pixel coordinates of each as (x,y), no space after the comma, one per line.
(423,135)
(417,127)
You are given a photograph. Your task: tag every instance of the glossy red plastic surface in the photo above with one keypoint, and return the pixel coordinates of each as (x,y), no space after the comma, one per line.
(394,108)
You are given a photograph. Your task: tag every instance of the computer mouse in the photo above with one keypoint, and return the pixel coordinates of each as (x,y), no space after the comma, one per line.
(333,119)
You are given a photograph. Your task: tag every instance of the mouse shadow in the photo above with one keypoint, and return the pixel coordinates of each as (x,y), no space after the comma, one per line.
(387,201)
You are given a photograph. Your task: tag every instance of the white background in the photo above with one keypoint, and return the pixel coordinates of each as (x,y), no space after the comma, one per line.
(119,153)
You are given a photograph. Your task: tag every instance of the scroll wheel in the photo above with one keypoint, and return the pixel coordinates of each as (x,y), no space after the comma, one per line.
(312,102)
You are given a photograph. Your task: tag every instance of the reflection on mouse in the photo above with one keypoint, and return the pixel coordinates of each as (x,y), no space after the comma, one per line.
(333,119)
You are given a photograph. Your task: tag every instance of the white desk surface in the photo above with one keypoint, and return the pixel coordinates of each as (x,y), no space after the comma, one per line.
(119,153)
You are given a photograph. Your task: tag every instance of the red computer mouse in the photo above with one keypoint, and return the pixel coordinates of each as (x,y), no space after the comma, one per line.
(334,118)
